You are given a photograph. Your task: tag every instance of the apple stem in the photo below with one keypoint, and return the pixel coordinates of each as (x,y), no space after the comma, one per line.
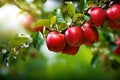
(83,23)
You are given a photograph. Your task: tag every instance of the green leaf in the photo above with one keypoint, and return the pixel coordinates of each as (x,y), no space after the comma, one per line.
(20,39)
(94,61)
(112,46)
(78,18)
(53,20)
(61,26)
(106,36)
(60,21)
(59,16)
(82,5)
(115,64)
(42,22)
(70,8)
(87,17)
(37,40)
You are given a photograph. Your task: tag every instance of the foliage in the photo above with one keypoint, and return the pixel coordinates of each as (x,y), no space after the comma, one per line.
(62,18)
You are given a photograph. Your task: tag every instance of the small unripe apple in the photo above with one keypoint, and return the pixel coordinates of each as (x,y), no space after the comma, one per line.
(98,16)
(90,33)
(70,50)
(55,41)
(74,36)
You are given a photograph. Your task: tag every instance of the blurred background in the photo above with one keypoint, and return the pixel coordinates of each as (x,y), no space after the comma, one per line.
(44,64)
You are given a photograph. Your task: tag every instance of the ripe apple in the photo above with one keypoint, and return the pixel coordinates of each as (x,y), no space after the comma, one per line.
(55,41)
(117,50)
(113,15)
(74,36)
(118,41)
(98,16)
(70,50)
(90,33)
(37,28)
(114,24)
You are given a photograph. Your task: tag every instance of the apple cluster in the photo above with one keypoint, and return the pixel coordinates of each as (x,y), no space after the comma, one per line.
(111,15)
(74,36)
(70,41)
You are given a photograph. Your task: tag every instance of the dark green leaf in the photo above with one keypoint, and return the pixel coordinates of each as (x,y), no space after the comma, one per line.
(94,61)
(82,5)
(42,22)
(6,58)
(106,36)
(37,40)
(115,65)
(112,46)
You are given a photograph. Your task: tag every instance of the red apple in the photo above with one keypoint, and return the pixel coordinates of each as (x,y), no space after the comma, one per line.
(113,15)
(37,28)
(74,36)
(90,33)
(55,41)
(118,41)
(98,16)
(70,50)
(114,24)
(27,21)
(117,50)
